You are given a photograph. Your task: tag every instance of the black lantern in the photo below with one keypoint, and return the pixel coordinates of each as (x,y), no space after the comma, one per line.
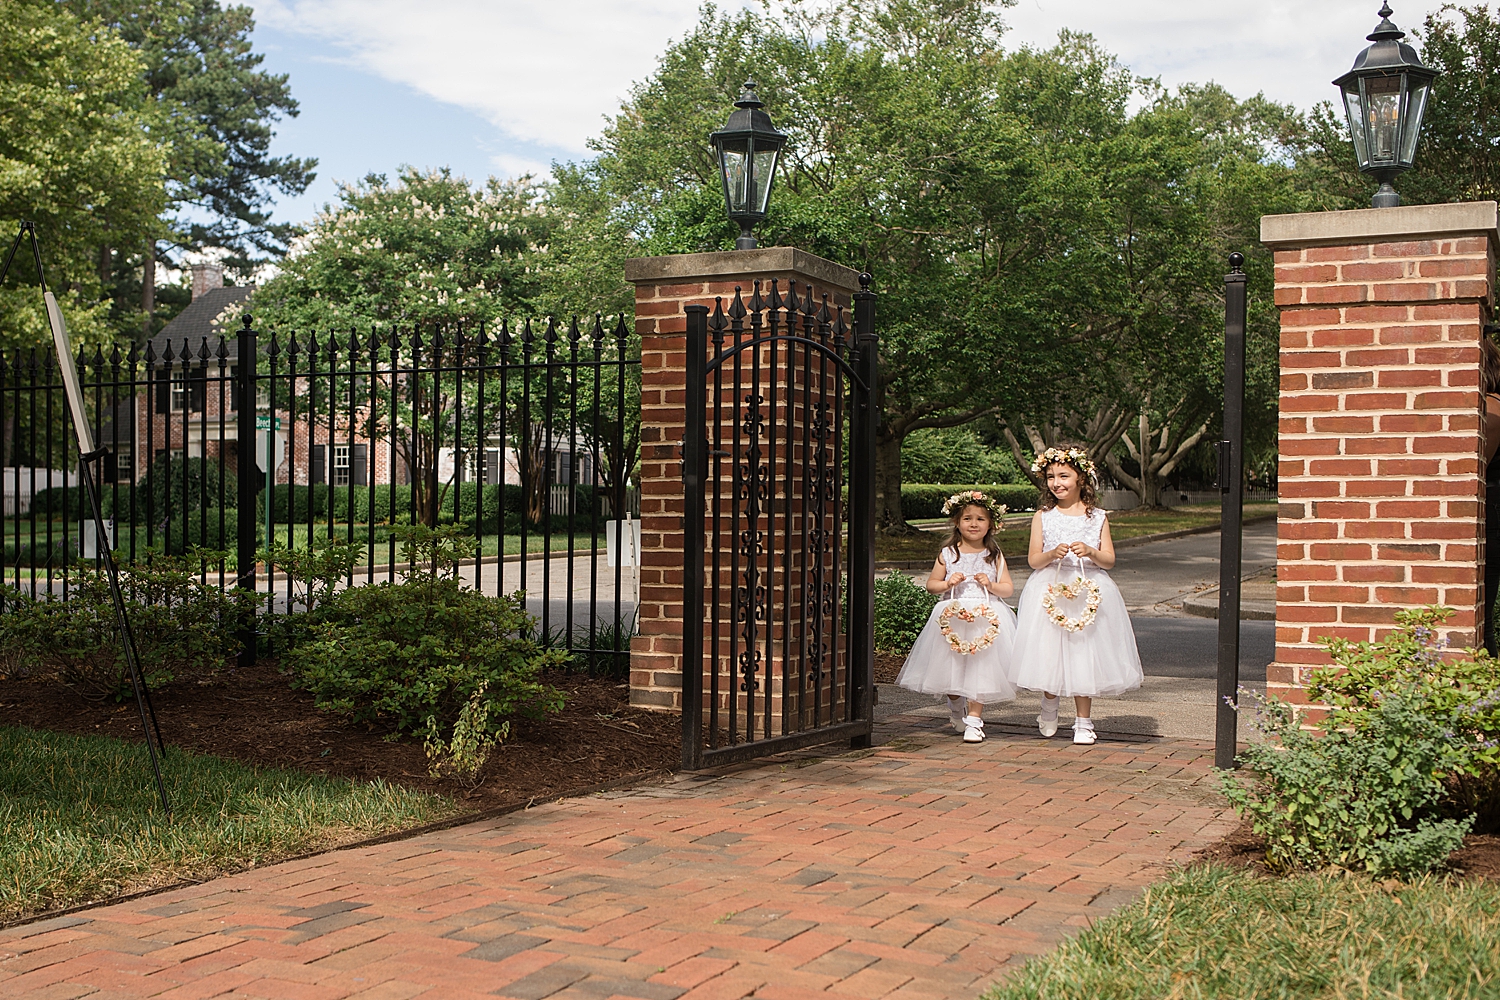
(747,147)
(1384,96)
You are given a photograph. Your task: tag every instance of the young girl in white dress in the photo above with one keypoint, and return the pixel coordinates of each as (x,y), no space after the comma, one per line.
(1074,635)
(963,653)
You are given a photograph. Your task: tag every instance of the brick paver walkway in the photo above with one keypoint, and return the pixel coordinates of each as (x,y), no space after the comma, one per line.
(921,869)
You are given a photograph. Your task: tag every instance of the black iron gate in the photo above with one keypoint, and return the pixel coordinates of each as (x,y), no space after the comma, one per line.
(779,483)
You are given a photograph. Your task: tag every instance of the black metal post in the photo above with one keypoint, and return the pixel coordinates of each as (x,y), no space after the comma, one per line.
(1231,472)
(247,353)
(862,513)
(694,466)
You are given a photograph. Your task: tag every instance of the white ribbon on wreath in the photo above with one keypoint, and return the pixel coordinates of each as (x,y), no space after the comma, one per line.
(1079,587)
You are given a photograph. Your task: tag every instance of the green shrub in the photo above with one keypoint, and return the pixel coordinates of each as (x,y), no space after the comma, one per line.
(393,654)
(183,628)
(1463,689)
(902,608)
(1362,798)
(921,501)
(201,529)
(182,484)
(942,454)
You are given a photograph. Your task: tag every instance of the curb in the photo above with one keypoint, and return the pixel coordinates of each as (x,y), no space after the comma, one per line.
(1250,611)
(436,826)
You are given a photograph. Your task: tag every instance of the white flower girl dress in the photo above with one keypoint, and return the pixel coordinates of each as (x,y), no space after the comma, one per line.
(1098,659)
(936,664)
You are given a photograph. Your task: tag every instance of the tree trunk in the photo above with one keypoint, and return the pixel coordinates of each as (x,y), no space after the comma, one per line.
(889,517)
(148,291)
(1156,453)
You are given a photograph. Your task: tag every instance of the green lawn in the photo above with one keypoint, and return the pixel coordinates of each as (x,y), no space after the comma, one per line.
(1209,932)
(80,819)
(489,544)
(1016,536)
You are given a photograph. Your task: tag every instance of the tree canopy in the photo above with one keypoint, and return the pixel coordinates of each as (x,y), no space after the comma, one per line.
(82,153)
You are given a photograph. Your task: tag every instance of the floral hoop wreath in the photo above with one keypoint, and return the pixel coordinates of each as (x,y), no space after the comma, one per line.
(1068,591)
(959,611)
(959,501)
(1076,457)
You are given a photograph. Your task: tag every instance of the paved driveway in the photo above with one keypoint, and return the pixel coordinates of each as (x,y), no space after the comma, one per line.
(921,869)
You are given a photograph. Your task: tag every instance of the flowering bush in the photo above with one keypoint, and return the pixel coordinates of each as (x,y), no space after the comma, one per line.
(1459,687)
(1400,770)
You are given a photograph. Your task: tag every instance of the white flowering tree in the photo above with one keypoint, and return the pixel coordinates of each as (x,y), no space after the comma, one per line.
(428,254)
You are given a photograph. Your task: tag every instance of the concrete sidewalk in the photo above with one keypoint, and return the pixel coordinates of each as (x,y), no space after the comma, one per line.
(921,869)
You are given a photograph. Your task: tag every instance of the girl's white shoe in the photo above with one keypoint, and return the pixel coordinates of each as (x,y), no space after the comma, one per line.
(957,709)
(1046,722)
(973,729)
(1083,732)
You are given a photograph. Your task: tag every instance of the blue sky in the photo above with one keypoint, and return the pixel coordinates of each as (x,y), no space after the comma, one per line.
(503,87)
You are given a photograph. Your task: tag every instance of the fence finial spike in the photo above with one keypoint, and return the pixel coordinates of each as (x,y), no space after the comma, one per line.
(737,307)
(756,303)
(775,302)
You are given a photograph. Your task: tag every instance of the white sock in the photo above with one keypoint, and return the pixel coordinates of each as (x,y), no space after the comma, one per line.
(1049,707)
(1083,722)
(974,720)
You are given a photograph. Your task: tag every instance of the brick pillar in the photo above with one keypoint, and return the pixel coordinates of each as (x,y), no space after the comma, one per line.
(664,286)
(1381,474)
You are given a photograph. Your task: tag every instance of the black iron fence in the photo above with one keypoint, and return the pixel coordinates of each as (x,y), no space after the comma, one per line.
(524,436)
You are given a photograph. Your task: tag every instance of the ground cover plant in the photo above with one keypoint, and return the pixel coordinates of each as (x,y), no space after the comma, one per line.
(183,627)
(1211,931)
(80,820)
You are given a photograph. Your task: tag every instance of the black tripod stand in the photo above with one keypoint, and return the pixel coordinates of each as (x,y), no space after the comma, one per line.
(87,455)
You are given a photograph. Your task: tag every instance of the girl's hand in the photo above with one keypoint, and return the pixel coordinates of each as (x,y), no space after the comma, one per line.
(1081,550)
(983,580)
(955,580)
(1061,552)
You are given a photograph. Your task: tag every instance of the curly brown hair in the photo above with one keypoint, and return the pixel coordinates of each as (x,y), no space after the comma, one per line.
(1086,490)
(991,542)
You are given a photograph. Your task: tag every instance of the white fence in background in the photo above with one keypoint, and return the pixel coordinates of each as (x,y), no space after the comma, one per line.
(20,484)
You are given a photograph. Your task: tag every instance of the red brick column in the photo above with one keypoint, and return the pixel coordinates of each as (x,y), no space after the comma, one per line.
(1381,478)
(664,286)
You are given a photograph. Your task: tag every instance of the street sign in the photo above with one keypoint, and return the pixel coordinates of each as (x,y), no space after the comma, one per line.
(267,423)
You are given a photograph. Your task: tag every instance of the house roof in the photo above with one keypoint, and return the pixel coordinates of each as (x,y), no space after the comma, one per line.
(213,314)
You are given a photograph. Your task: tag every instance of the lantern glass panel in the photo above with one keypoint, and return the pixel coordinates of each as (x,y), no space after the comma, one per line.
(765,170)
(735,163)
(1354,107)
(1416,105)
(1383,117)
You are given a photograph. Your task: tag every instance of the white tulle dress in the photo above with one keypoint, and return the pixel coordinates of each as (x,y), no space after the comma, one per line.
(1099,659)
(934,667)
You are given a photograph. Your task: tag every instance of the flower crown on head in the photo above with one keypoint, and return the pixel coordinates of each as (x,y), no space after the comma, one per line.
(1076,457)
(958,501)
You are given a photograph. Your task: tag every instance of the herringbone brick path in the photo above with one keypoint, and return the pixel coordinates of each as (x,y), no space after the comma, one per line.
(921,869)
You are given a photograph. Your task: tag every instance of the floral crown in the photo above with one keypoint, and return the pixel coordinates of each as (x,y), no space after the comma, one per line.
(1076,457)
(958,501)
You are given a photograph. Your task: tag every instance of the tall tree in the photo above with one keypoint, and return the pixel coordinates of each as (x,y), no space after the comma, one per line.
(200,68)
(81,154)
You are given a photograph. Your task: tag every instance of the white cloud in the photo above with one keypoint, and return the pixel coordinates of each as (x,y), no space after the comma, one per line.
(545,73)
(1289,50)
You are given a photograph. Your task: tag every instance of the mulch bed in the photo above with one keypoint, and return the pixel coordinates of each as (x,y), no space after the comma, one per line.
(1243,848)
(887,666)
(255,717)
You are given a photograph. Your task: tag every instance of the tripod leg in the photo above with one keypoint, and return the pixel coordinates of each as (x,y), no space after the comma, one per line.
(127,636)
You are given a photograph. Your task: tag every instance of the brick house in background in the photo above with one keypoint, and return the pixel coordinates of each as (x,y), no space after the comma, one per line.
(191,410)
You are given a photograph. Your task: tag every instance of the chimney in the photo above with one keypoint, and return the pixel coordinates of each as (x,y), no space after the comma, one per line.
(205,277)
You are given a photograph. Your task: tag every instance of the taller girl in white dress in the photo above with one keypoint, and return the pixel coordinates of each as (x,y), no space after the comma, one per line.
(963,653)
(1074,635)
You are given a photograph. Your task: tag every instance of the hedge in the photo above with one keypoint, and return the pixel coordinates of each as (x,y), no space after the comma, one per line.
(920,501)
